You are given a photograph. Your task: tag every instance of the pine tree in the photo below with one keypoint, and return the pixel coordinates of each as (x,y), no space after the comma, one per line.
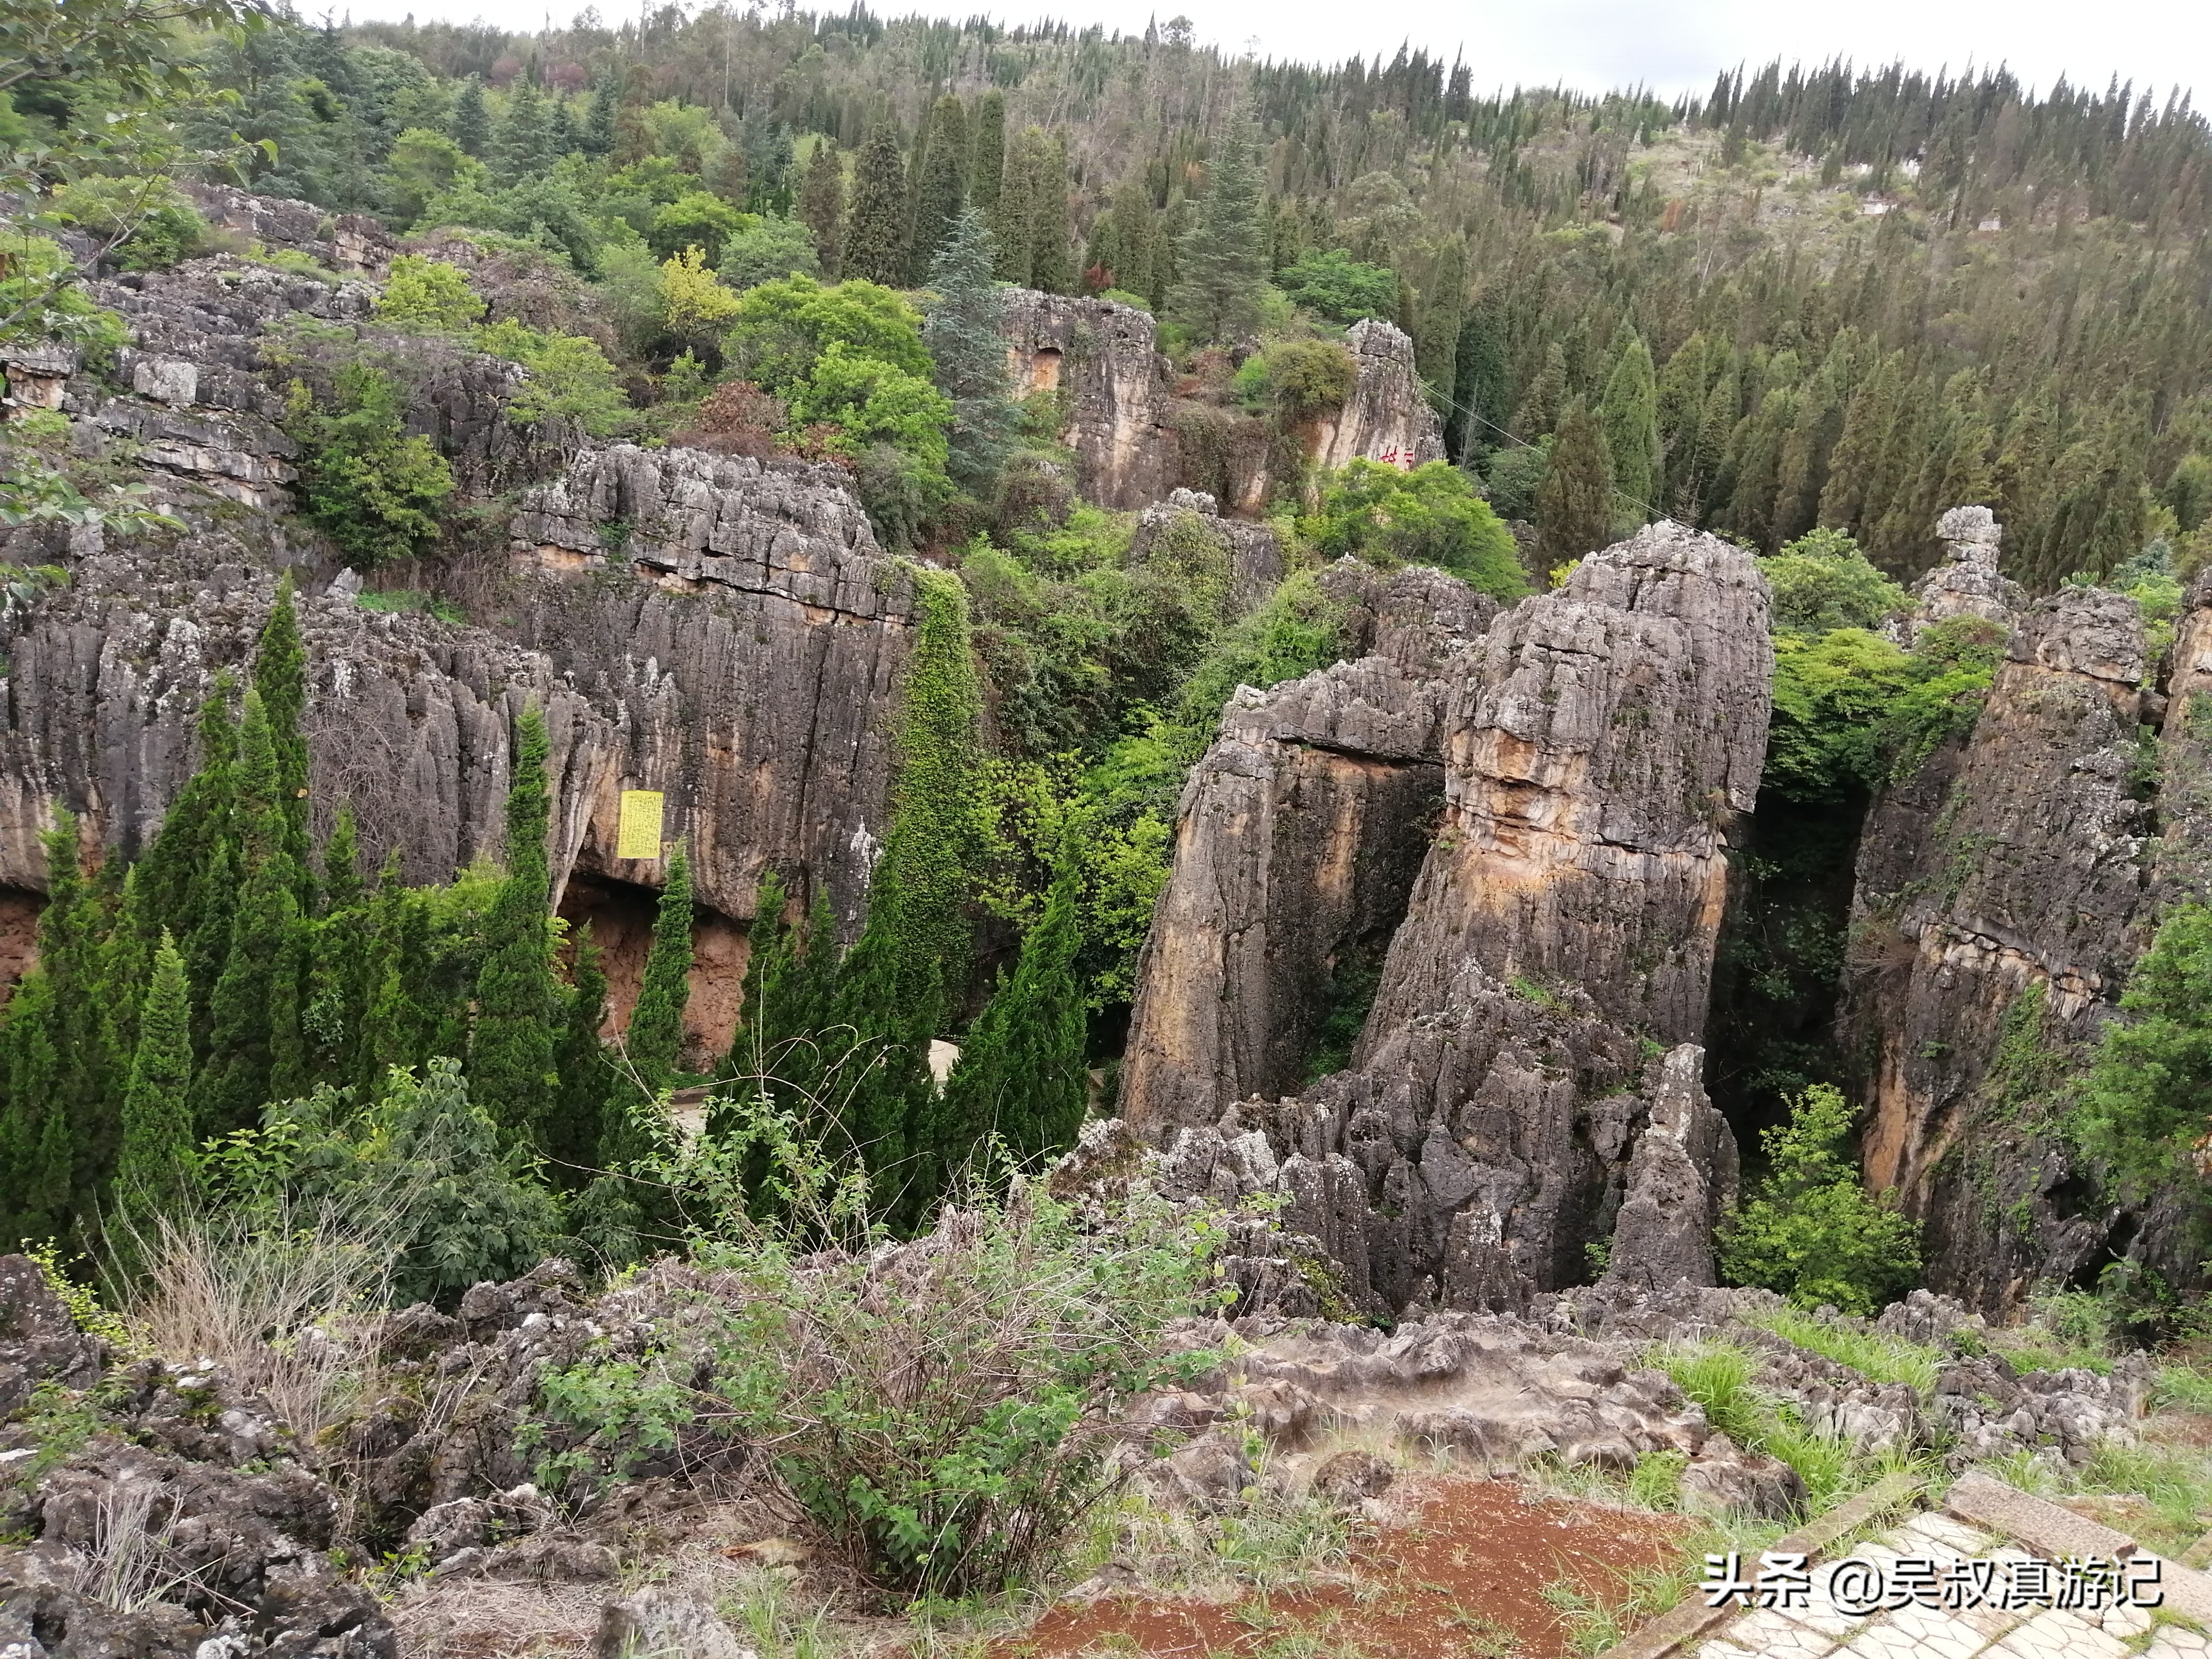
(471,120)
(155,1172)
(1481,384)
(1628,416)
(525,147)
(1021,1074)
(655,1040)
(1539,411)
(399,1024)
(184,883)
(821,205)
(943,190)
(511,1048)
(987,165)
(875,242)
(598,137)
(1681,408)
(1050,231)
(1574,503)
(1436,346)
(36,1145)
(280,675)
(1220,265)
(255,1050)
(341,951)
(966,311)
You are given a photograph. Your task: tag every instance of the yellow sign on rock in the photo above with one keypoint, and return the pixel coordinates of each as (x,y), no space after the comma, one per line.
(638,836)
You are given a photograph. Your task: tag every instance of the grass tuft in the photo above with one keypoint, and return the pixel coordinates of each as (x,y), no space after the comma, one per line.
(1871,1353)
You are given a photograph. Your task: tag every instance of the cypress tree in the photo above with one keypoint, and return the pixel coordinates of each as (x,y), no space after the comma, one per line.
(1681,408)
(341,978)
(401,1019)
(471,120)
(1628,416)
(184,881)
(1436,346)
(1219,263)
(943,187)
(1706,483)
(280,675)
(655,1038)
(598,138)
(821,205)
(1021,1074)
(875,242)
(1755,472)
(1481,384)
(1539,411)
(986,165)
(511,1048)
(1050,230)
(1014,223)
(1574,503)
(126,967)
(966,311)
(572,1140)
(35,1146)
(786,1046)
(155,1169)
(255,1052)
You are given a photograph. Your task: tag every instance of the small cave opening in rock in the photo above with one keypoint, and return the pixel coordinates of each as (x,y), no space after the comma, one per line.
(1044,370)
(620,915)
(1778,972)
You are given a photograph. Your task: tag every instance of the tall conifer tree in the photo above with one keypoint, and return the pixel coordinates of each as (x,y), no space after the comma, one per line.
(986,165)
(280,675)
(1628,415)
(1219,263)
(155,1172)
(574,1140)
(964,313)
(1051,234)
(1436,346)
(511,1049)
(471,120)
(655,1040)
(821,205)
(875,240)
(944,186)
(1574,503)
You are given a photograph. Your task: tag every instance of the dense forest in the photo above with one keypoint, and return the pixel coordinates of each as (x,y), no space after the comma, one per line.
(1808,311)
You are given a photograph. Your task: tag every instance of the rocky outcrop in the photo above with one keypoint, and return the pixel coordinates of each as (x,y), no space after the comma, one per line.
(343,242)
(1681,1180)
(1253,552)
(1296,844)
(2001,901)
(1558,944)
(1967,583)
(1387,417)
(1102,360)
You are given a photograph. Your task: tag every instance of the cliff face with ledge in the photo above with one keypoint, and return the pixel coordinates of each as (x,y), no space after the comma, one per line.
(1539,1007)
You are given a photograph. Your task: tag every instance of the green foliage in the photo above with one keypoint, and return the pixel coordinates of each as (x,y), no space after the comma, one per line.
(695,306)
(145,222)
(1821,581)
(765,250)
(962,1472)
(570,378)
(655,1040)
(1628,416)
(875,239)
(594,1423)
(1574,505)
(695,220)
(1431,515)
(1339,287)
(427,295)
(1220,265)
(155,1171)
(39,299)
(1296,378)
(966,311)
(364,483)
(1812,1231)
(517,1004)
(779,331)
(2144,1110)
(1869,1352)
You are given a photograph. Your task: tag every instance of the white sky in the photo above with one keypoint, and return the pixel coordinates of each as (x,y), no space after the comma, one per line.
(1668,45)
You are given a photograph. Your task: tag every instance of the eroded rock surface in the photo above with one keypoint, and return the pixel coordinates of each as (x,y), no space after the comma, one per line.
(1104,361)
(2001,902)
(1388,416)
(1296,845)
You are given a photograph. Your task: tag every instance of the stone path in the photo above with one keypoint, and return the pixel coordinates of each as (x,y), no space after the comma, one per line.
(1821,1630)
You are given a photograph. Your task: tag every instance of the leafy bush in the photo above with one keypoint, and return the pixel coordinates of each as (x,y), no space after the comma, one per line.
(149,225)
(695,220)
(369,487)
(1513,475)
(1341,286)
(1296,378)
(1295,629)
(779,330)
(39,300)
(2149,1097)
(427,295)
(695,307)
(569,377)
(1432,515)
(1822,581)
(765,250)
(939,1411)
(1813,1232)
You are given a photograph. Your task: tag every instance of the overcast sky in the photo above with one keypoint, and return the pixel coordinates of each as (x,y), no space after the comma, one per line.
(1668,45)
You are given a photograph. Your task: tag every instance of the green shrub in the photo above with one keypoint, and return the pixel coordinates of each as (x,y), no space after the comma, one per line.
(149,225)
(1812,1231)
(1339,287)
(1296,379)
(764,250)
(2149,1097)
(427,295)
(365,484)
(941,1412)
(570,378)
(1431,515)
(1822,581)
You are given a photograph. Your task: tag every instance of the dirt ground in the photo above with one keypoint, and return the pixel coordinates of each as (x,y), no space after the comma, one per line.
(1461,1576)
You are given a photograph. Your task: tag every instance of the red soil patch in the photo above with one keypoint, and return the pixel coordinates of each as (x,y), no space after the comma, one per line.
(1462,1579)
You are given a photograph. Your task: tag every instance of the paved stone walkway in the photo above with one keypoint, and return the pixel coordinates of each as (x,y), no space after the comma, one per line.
(1821,1630)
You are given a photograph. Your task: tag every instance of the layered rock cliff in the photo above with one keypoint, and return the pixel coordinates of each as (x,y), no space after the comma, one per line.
(1539,1007)
(2004,893)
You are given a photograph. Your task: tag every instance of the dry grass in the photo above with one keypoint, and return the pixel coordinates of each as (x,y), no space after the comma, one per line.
(131,1562)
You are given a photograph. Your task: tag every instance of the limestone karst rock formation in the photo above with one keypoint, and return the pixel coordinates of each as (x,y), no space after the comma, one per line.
(1549,981)
(1296,844)
(2001,899)
(1118,400)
